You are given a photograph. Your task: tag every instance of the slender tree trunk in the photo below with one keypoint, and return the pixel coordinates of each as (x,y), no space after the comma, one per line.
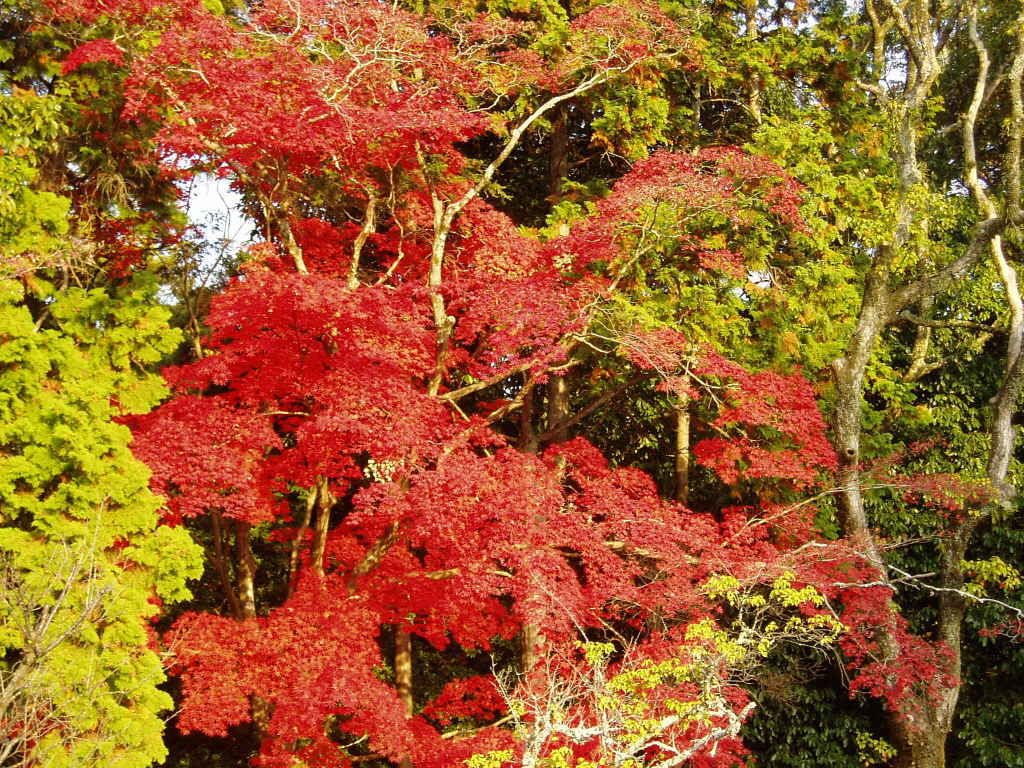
(261,708)
(246,573)
(530,636)
(558,407)
(527,442)
(300,535)
(558,169)
(444,324)
(285,227)
(849,379)
(558,158)
(403,676)
(368,228)
(682,469)
(697,108)
(403,668)
(558,386)
(324,502)
(220,562)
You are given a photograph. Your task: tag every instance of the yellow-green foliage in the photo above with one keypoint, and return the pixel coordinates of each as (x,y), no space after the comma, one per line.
(992,572)
(640,701)
(81,556)
(31,219)
(872,751)
(490,760)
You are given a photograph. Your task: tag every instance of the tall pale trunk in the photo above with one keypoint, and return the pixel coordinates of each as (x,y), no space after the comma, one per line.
(403,676)
(324,503)
(261,708)
(403,668)
(245,574)
(682,462)
(922,724)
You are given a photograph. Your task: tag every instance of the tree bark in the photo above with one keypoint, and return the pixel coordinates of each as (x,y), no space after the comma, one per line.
(558,158)
(403,676)
(368,228)
(558,169)
(220,562)
(849,379)
(261,708)
(921,749)
(558,408)
(403,668)
(285,227)
(527,442)
(246,573)
(300,535)
(922,341)
(324,503)
(530,644)
(682,467)
(558,386)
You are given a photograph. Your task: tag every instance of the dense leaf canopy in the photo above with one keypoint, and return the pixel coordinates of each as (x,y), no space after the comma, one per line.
(597,379)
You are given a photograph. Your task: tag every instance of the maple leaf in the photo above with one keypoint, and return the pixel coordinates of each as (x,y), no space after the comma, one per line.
(92,52)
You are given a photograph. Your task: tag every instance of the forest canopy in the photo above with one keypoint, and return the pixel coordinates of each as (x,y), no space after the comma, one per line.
(618,384)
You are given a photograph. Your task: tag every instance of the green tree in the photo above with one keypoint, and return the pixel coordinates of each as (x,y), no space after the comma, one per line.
(84,565)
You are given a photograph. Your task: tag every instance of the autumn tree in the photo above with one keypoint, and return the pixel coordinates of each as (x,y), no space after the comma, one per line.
(340,399)
(372,431)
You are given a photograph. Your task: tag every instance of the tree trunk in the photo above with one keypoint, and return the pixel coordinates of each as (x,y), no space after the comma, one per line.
(558,159)
(922,341)
(527,442)
(922,726)
(300,535)
(324,502)
(530,643)
(558,408)
(682,469)
(925,748)
(849,380)
(558,386)
(403,676)
(558,169)
(290,243)
(246,573)
(220,562)
(403,668)
(261,708)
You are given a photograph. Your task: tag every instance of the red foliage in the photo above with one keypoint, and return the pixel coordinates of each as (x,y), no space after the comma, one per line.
(784,432)
(91,52)
(470,698)
(914,671)
(469,539)
(205,456)
(700,189)
(437,526)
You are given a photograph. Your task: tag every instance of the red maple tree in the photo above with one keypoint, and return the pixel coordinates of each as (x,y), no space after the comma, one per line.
(332,403)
